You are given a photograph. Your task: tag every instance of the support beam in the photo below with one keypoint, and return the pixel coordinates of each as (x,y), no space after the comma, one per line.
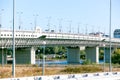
(92,54)
(73,55)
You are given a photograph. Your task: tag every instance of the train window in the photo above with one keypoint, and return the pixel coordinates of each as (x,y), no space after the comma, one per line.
(1,34)
(4,34)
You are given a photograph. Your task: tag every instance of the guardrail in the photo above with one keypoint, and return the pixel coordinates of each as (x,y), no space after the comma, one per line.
(85,76)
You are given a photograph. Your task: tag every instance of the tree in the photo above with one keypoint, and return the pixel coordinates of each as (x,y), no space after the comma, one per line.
(101,55)
(116,56)
(55,49)
(82,54)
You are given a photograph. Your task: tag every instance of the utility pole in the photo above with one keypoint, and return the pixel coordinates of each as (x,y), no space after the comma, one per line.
(1,18)
(35,20)
(20,22)
(60,25)
(13,42)
(110,65)
(49,19)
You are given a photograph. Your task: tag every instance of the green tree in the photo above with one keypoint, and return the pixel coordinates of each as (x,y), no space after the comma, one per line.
(82,54)
(116,56)
(101,54)
(55,49)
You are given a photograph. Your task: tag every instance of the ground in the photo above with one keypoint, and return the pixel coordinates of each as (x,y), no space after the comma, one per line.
(34,70)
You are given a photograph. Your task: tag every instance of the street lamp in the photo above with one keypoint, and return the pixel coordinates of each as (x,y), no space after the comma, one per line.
(43,62)
(1,17)
(13,42)
(104,59)
(39,57)
(35,20)
(20,22)
(103,45)
(2,56)
(110,66)
(0,37)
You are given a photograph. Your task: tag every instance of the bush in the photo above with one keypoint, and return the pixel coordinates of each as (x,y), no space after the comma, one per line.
(116,58)
(82,69)
(86,62)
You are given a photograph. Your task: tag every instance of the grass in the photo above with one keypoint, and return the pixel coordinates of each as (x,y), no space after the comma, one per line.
(82,69)
(34,70)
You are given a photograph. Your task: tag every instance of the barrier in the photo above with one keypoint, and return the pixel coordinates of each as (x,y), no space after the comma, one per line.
(85,76)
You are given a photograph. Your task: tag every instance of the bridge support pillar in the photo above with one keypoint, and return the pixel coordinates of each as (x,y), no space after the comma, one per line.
(73,55)
(25,55)
(92,54)
(107,54)
(3,56)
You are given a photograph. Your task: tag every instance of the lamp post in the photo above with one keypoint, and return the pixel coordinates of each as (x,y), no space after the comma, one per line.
(0,37)
(13,42)
(110,66)
(35,20)
(1,18)
(2,56)
(39,57)
(103,45)
(43,61)
(20,22)
(104,59)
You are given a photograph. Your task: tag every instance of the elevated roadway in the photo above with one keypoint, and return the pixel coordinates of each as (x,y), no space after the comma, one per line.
(26,43)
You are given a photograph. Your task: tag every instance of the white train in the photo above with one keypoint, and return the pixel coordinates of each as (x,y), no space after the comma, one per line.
(20,33)
(37,33)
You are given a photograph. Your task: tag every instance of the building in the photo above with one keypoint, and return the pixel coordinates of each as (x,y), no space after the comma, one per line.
(116,33)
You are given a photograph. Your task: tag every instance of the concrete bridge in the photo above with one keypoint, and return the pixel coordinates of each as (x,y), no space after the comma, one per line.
(25,47)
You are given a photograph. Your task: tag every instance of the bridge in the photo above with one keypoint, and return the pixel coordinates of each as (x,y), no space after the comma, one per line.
(26,43)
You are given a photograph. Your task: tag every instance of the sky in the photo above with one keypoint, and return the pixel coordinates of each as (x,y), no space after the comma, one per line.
(83,16)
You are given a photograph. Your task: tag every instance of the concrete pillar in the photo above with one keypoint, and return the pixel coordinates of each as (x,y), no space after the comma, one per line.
(25,55)
(4,56)
(92,54)
(73,55)
(107,54)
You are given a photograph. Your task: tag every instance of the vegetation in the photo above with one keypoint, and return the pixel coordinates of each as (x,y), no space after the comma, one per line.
(101,55)
(58,52)
(116,56)
(82,69)
(34,70)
